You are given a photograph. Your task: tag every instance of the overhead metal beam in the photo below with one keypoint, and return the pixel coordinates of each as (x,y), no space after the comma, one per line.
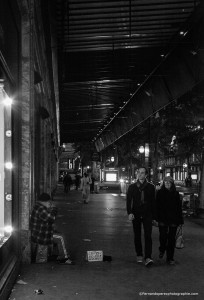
(182,70)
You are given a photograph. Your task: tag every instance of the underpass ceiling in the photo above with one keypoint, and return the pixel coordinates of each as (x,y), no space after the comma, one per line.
(106,50)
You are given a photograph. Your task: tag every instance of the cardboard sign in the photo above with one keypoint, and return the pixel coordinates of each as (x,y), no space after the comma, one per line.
(94,255)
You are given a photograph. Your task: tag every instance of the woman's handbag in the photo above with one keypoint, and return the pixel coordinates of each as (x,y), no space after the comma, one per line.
(179,244)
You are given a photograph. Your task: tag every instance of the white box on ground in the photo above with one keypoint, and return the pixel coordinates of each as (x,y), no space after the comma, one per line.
(94,255)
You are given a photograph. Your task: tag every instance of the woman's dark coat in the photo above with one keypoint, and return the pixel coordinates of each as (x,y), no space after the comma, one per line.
(169,207)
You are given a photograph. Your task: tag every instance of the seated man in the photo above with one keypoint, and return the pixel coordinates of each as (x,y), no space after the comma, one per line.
(42,229)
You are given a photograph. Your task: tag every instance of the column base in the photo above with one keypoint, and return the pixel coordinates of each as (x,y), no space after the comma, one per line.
(25,247)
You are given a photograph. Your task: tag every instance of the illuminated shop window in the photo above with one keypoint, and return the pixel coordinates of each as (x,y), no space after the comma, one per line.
(194,176)
(111,177)
(5,166)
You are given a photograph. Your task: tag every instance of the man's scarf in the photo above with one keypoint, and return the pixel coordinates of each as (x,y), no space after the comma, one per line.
(141,187)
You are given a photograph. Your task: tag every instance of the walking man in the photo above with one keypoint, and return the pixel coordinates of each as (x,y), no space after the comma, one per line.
(141,210)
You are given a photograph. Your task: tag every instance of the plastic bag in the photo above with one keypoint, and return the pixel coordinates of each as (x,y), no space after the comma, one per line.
(179,244)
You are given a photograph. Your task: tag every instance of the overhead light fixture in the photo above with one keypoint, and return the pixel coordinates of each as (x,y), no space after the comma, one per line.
(8,133)
(183,33)
(148,93)
(193,52)
(7,101)
(9,165)
(157,115)
(9,197)
(8,229)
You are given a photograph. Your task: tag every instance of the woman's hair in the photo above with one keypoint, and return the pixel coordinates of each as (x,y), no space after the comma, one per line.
(172,188)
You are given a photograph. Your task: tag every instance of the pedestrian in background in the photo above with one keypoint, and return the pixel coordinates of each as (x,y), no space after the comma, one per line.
(77,181)
(85,187)
(169,217)
(92,184)
(141,210)
(67,181)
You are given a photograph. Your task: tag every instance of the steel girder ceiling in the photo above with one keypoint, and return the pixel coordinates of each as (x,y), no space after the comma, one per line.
(181,71)
(108,52)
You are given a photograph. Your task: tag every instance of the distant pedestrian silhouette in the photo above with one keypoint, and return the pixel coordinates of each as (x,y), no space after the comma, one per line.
(77,181)
(67,181)
(85,187)
(92,184)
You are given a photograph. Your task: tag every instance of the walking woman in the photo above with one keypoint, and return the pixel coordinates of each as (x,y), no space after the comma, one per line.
(85,187)
(169,217)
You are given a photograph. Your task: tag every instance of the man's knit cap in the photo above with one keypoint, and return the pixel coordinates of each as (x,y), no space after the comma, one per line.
(44,197)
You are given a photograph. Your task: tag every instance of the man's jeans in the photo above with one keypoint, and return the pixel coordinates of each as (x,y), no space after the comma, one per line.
(137,227)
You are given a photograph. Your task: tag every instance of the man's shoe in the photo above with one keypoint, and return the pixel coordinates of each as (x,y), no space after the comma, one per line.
(139,259)
(66,261)
(148,262)
(171,262)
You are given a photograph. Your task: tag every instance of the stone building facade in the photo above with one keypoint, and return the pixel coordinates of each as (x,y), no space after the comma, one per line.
(29,127)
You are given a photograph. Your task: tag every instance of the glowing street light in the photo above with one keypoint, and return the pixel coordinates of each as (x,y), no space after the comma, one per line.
(141,149)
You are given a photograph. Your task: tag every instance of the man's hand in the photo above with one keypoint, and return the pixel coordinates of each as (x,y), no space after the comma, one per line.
(131,217)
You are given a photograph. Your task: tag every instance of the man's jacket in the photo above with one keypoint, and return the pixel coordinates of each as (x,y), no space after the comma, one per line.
(42,224)
(141,199)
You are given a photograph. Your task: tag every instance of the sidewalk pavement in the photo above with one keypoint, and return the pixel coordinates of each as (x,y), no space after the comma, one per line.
(198,221)
(103,225)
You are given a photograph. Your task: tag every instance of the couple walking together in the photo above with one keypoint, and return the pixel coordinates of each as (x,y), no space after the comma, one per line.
(146,206)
